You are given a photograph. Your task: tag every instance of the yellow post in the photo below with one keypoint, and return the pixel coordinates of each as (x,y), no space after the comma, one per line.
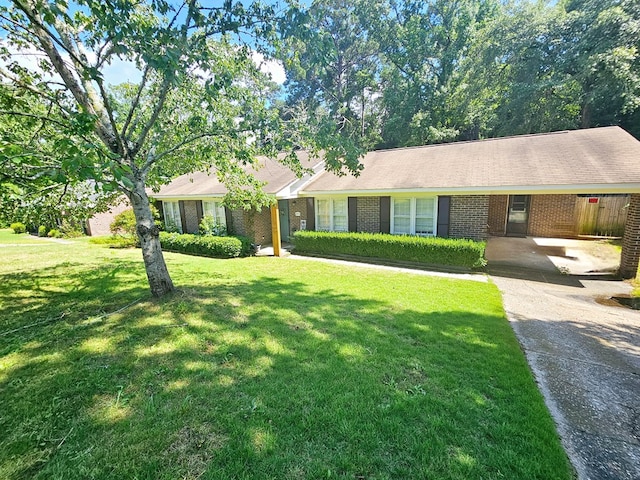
(275,230)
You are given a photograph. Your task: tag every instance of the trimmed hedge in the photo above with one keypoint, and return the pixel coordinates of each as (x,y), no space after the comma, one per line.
(206,245)
(427,250)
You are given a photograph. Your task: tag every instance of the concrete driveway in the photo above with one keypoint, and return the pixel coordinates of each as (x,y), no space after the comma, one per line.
(584,349)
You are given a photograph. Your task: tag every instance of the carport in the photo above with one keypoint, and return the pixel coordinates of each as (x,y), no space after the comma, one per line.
(546,259)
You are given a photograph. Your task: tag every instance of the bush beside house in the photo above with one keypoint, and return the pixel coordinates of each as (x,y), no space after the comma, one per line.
(426,250)
(206,245)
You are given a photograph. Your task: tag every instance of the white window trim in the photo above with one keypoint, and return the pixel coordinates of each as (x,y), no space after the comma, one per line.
(177,221)
(412,216)
(219,215)
(331,201)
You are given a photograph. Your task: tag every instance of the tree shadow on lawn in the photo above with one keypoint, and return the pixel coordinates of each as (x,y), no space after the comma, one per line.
(265,379)
(68,291)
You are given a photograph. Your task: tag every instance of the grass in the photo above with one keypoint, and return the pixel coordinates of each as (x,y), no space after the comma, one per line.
(635,283)
(258,368)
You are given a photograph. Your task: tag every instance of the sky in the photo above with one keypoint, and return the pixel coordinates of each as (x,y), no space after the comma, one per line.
(120,71)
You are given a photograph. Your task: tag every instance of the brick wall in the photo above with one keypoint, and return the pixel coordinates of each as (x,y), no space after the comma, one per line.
(191,216)
(297,205)
(468,216)
(552,216)
(631,240)
(259,224)
(238,224)
(253,224)
(368,214)
(498,205)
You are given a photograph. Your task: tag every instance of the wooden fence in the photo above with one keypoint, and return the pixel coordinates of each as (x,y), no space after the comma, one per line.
(604,216)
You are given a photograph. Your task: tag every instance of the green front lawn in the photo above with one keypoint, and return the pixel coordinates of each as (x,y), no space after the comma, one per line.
(258,368)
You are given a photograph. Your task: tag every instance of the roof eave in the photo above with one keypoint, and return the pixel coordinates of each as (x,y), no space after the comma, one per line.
(595,188)
(192,196)
(292,189)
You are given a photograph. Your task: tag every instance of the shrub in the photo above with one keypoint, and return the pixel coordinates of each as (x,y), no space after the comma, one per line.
(70,230)
(18,227)
(206,245)
(171,227)
(124,223)
(208,226)
(42,231)
(427,250)
(53,233)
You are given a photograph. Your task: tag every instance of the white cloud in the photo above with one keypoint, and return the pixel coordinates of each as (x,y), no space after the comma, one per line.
(28,58)
(120,71)
(270,67)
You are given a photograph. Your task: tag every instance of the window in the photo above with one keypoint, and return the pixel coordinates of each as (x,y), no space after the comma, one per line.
(331,214)
(413,216)
(215,210)
(172,221)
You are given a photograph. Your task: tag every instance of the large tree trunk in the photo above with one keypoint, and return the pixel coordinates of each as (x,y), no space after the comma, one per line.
(149,235)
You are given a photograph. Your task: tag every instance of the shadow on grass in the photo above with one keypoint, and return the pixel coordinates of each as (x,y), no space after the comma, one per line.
(267,378)
(68,291)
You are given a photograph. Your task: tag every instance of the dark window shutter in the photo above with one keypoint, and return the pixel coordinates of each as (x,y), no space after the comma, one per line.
(199,212)
(160,208)
(444,206)
(183,216)
(311,214)
(385,214)
(228,217)
(352,213)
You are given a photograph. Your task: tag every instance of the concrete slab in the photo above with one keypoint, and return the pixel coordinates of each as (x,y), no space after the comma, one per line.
(585,355)
(553,255)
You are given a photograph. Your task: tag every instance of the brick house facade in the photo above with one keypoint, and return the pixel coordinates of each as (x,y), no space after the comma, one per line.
(253,224)
(552,216)
(523,185)
(476,217)
(631,240)
(549,215)
(368,214)
(468,217)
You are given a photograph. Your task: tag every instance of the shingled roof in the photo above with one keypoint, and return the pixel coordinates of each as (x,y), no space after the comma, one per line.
(597,160)
(203,184)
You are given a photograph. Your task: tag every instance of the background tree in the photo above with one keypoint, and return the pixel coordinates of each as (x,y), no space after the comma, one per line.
(36,149)
(332,69)
(538,68)
(467,69)
(603,55)
(424,44)
(201,101)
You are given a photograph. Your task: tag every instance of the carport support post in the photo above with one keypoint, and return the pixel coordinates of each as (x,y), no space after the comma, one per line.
(631,240)
(275,230)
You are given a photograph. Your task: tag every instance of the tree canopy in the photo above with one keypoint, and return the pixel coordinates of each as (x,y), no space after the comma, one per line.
(467,69)
(201,103)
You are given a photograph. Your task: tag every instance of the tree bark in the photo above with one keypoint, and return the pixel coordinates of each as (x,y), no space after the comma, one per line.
(149,235)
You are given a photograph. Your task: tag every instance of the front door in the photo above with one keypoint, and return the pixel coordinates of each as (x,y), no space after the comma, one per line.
(518,215)
(283,207)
